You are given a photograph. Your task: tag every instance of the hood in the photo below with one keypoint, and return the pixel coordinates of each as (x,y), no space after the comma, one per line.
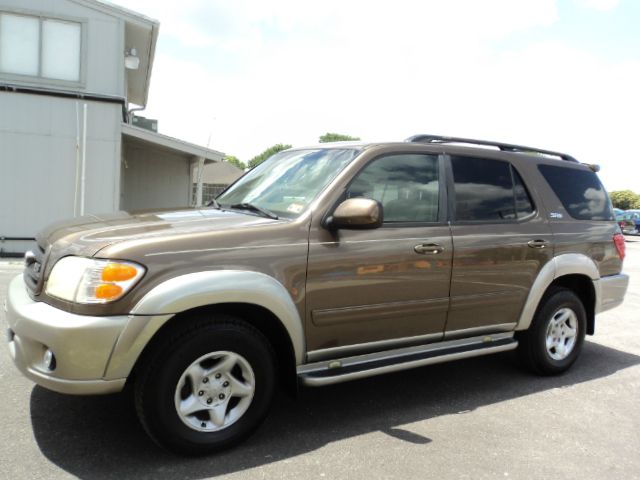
(89,234)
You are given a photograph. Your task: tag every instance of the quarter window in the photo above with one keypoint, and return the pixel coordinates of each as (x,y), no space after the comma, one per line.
(406,185)
(40,47)
(580,192)
(488,190)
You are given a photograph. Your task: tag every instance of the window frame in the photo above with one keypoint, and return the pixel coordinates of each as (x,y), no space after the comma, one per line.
(39,79)
(451,194)
(442,191)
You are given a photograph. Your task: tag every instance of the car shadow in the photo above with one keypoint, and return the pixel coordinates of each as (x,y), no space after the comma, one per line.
(100,437)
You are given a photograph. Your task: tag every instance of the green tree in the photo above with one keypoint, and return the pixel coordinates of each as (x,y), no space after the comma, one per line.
(625,199)
(336,137)
(235,161)
(258,159)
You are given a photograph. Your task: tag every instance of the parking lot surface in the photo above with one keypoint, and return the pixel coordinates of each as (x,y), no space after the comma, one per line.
(477,418)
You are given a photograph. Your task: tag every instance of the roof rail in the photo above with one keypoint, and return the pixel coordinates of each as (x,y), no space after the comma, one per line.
(506,147)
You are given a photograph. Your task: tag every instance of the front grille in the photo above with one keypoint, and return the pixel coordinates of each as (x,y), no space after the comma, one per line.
(33,270)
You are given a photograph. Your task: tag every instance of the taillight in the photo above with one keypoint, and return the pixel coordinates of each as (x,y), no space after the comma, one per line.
(618,241)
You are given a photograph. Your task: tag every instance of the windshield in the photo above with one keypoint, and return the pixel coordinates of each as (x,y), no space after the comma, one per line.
(287,182)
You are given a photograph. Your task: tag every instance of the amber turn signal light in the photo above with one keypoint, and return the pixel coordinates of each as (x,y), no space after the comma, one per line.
(118,272)
(107,291)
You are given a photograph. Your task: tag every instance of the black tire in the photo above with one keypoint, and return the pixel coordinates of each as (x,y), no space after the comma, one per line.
(163,367)
(532,343)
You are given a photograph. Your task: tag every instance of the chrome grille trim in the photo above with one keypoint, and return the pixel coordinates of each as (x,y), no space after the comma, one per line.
(33,269)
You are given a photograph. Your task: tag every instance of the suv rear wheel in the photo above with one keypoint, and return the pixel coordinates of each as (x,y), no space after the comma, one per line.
(207,386)
(555,338)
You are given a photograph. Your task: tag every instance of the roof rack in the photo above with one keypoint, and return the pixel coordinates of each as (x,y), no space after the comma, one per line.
(505,147)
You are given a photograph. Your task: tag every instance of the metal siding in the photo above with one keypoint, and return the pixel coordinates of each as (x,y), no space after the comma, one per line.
(154,178)
(38,160)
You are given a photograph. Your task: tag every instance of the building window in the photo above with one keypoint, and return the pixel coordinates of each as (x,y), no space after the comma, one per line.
(40,47)
(209,191)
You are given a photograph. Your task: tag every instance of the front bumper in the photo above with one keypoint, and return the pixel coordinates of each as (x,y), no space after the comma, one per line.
(82,345)
(612,291)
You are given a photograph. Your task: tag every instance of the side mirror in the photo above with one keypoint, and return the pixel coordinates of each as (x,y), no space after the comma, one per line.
(356,213)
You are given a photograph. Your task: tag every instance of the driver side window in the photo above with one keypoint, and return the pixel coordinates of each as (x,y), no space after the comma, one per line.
(406,185)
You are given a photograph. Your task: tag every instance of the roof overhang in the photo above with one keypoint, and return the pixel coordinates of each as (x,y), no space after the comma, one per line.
(143,39)
(164,142)
(141,33)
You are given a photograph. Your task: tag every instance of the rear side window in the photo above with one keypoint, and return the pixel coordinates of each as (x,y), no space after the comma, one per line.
(488,190)
(580,192)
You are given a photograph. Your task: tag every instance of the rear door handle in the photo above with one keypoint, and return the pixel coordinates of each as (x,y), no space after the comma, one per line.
(428,248)
(538,243)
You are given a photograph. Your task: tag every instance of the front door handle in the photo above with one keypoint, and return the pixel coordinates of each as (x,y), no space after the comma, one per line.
(538,243)
(428,248)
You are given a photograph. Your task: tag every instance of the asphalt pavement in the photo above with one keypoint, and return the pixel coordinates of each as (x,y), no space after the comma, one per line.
(475,419)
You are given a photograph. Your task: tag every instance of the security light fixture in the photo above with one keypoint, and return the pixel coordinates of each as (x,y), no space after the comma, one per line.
(131,59)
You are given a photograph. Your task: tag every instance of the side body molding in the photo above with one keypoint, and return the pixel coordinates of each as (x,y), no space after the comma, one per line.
(196,290)
(565,264)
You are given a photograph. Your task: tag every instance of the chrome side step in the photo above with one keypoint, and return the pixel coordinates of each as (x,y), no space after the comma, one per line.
(362,366)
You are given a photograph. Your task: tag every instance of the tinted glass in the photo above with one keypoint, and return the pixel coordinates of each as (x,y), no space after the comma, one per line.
(483,188)
(580,192)
(524,205)
(406,186)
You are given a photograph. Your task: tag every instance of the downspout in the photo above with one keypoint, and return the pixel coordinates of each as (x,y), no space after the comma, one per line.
(84,159)
(75,192)
(130,114)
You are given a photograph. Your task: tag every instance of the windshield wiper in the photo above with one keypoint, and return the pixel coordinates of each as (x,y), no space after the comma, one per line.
(254,208)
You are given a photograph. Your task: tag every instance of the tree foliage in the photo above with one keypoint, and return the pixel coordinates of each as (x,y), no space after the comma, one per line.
(336,137)
(625,199)
(235,161)
(258,159)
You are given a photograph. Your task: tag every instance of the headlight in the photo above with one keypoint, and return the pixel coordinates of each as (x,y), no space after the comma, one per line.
(88,280)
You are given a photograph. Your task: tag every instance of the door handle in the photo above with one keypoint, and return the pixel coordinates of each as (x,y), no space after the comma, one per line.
(538,243)
(431,248)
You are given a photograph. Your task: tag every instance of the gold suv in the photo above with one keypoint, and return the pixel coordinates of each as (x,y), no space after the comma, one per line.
(321,265)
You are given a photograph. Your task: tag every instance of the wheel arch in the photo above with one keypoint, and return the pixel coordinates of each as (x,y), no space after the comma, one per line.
(584,288)
(574,271)
(257,316)
(257,298)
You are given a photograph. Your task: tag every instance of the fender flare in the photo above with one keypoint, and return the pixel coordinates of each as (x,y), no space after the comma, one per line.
(199,289)
(565,264)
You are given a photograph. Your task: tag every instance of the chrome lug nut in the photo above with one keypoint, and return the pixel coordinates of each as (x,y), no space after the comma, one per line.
(218,375)
(225,384)
(221,396)
(200,393)
(209,400)
(205,380)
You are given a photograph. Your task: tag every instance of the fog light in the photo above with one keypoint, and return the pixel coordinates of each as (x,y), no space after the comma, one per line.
(49,360)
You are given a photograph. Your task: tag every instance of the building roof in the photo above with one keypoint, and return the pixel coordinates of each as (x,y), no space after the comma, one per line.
(221,173)
(141,33)
(170,143)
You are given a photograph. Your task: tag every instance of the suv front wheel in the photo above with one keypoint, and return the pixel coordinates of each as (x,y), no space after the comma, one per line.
(206,386)
(554,340)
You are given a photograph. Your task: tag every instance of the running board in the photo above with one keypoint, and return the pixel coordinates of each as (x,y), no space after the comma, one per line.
(351,368)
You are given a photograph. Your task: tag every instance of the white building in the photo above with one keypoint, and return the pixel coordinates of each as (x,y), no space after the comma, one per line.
(70,72)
